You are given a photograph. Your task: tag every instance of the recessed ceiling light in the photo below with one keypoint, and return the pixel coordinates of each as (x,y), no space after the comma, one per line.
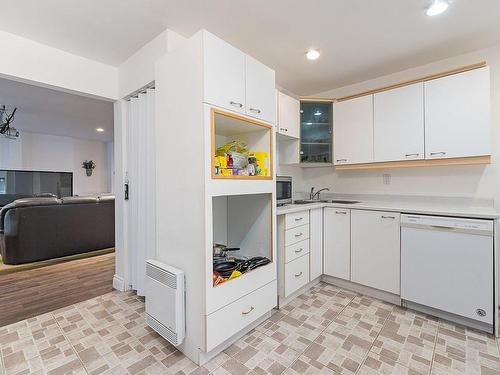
(312,54)
(317,113)
(437,7)
(99,130)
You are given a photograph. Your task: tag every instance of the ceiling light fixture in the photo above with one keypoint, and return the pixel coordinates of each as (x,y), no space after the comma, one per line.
(437,7)
(312,54)
(99,130)
(317,113)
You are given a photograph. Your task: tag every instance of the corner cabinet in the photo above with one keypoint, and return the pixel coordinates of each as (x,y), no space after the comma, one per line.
(315,132)
(288,123)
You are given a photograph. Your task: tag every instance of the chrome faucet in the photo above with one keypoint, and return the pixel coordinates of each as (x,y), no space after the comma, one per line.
(312,194)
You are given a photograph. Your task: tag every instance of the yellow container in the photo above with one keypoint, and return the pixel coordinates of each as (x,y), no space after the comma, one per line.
(221,161)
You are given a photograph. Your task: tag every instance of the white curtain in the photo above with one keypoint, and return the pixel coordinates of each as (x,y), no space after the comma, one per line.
(140,160)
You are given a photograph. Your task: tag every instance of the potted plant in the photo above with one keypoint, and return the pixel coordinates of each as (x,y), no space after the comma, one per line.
(89,166)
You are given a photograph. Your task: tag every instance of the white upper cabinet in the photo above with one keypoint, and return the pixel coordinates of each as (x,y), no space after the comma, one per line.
(224,67)
(288,116)
(260,91)
(353,130)
(457,115)
(398,123)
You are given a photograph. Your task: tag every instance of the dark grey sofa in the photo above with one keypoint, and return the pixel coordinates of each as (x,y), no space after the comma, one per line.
(34,229)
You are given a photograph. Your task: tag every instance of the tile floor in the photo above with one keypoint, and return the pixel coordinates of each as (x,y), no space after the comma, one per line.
(326,330)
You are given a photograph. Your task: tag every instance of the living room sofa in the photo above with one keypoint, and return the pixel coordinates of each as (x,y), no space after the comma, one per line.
(34,229)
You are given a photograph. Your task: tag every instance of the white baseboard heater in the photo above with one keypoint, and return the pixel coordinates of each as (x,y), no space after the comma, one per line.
(165,301)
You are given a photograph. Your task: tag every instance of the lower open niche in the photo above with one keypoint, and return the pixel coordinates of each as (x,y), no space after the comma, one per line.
(242,235)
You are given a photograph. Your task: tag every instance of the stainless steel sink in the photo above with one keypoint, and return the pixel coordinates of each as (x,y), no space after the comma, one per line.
(341,201)
(309,201)
(306,201)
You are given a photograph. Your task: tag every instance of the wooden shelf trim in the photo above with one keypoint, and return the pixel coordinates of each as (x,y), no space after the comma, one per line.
(472,160)
(430,77)
(215,111)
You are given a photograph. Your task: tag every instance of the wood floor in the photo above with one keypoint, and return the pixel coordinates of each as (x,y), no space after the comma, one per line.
(26,294)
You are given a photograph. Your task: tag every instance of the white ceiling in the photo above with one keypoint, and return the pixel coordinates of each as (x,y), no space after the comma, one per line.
(42,110)
(359,39)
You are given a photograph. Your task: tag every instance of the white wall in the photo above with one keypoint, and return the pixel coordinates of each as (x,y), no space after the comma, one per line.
(32,62)
(139,69)
(462,181)
(44,152)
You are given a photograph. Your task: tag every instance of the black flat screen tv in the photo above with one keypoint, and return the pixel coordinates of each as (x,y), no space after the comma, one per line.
(33,183)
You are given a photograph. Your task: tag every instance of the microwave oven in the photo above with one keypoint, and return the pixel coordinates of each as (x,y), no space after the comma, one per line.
(283,190)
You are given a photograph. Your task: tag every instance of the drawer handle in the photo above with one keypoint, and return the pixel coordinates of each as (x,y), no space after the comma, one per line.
(414,154)
(341,212)
(298,251)
(299,234)
(388,217)
(255,110)
(236,104)
(298,274)
(438,153)
(298,218)
(247,312)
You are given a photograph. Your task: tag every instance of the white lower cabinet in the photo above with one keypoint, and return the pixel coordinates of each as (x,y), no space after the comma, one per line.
(316,243)
(375,249)
(296,274)
(337,242)
(229,320)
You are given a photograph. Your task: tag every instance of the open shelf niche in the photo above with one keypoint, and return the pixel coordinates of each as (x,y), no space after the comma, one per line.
(245,222)
(256,135)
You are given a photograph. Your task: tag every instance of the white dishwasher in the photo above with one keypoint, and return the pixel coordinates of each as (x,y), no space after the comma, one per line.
(447,264)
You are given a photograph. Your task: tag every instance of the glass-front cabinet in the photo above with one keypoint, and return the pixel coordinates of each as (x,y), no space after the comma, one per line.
(316,131)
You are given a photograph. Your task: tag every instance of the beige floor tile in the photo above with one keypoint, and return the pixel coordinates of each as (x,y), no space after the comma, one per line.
(375,364)
(461,350)
(326,330)
(408,337)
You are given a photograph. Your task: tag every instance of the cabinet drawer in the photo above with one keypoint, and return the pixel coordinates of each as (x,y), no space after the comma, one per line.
(229,320)
(296,274)
(296,219)
(296,234)
(296,250)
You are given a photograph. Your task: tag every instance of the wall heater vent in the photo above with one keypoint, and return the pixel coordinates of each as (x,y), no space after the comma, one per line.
(165,301)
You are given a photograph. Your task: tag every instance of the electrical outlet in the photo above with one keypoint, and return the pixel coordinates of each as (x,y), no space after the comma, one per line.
(386,178)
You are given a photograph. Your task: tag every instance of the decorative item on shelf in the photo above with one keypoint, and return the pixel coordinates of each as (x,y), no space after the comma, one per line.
(89,167)
(6,118)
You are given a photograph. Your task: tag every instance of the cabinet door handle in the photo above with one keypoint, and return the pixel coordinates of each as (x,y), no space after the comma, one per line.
(341,160)
(236,104)
(388,217)
(414,154)
(298,218)
(248,312)
(341,212)
(438,153)
(298,274)
(298,251)
(255,110)
(299,234)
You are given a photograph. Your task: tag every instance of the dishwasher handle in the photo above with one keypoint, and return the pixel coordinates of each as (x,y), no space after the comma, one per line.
(445,228)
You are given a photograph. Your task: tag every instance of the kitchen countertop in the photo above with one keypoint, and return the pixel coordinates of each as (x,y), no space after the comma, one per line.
(459,207)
